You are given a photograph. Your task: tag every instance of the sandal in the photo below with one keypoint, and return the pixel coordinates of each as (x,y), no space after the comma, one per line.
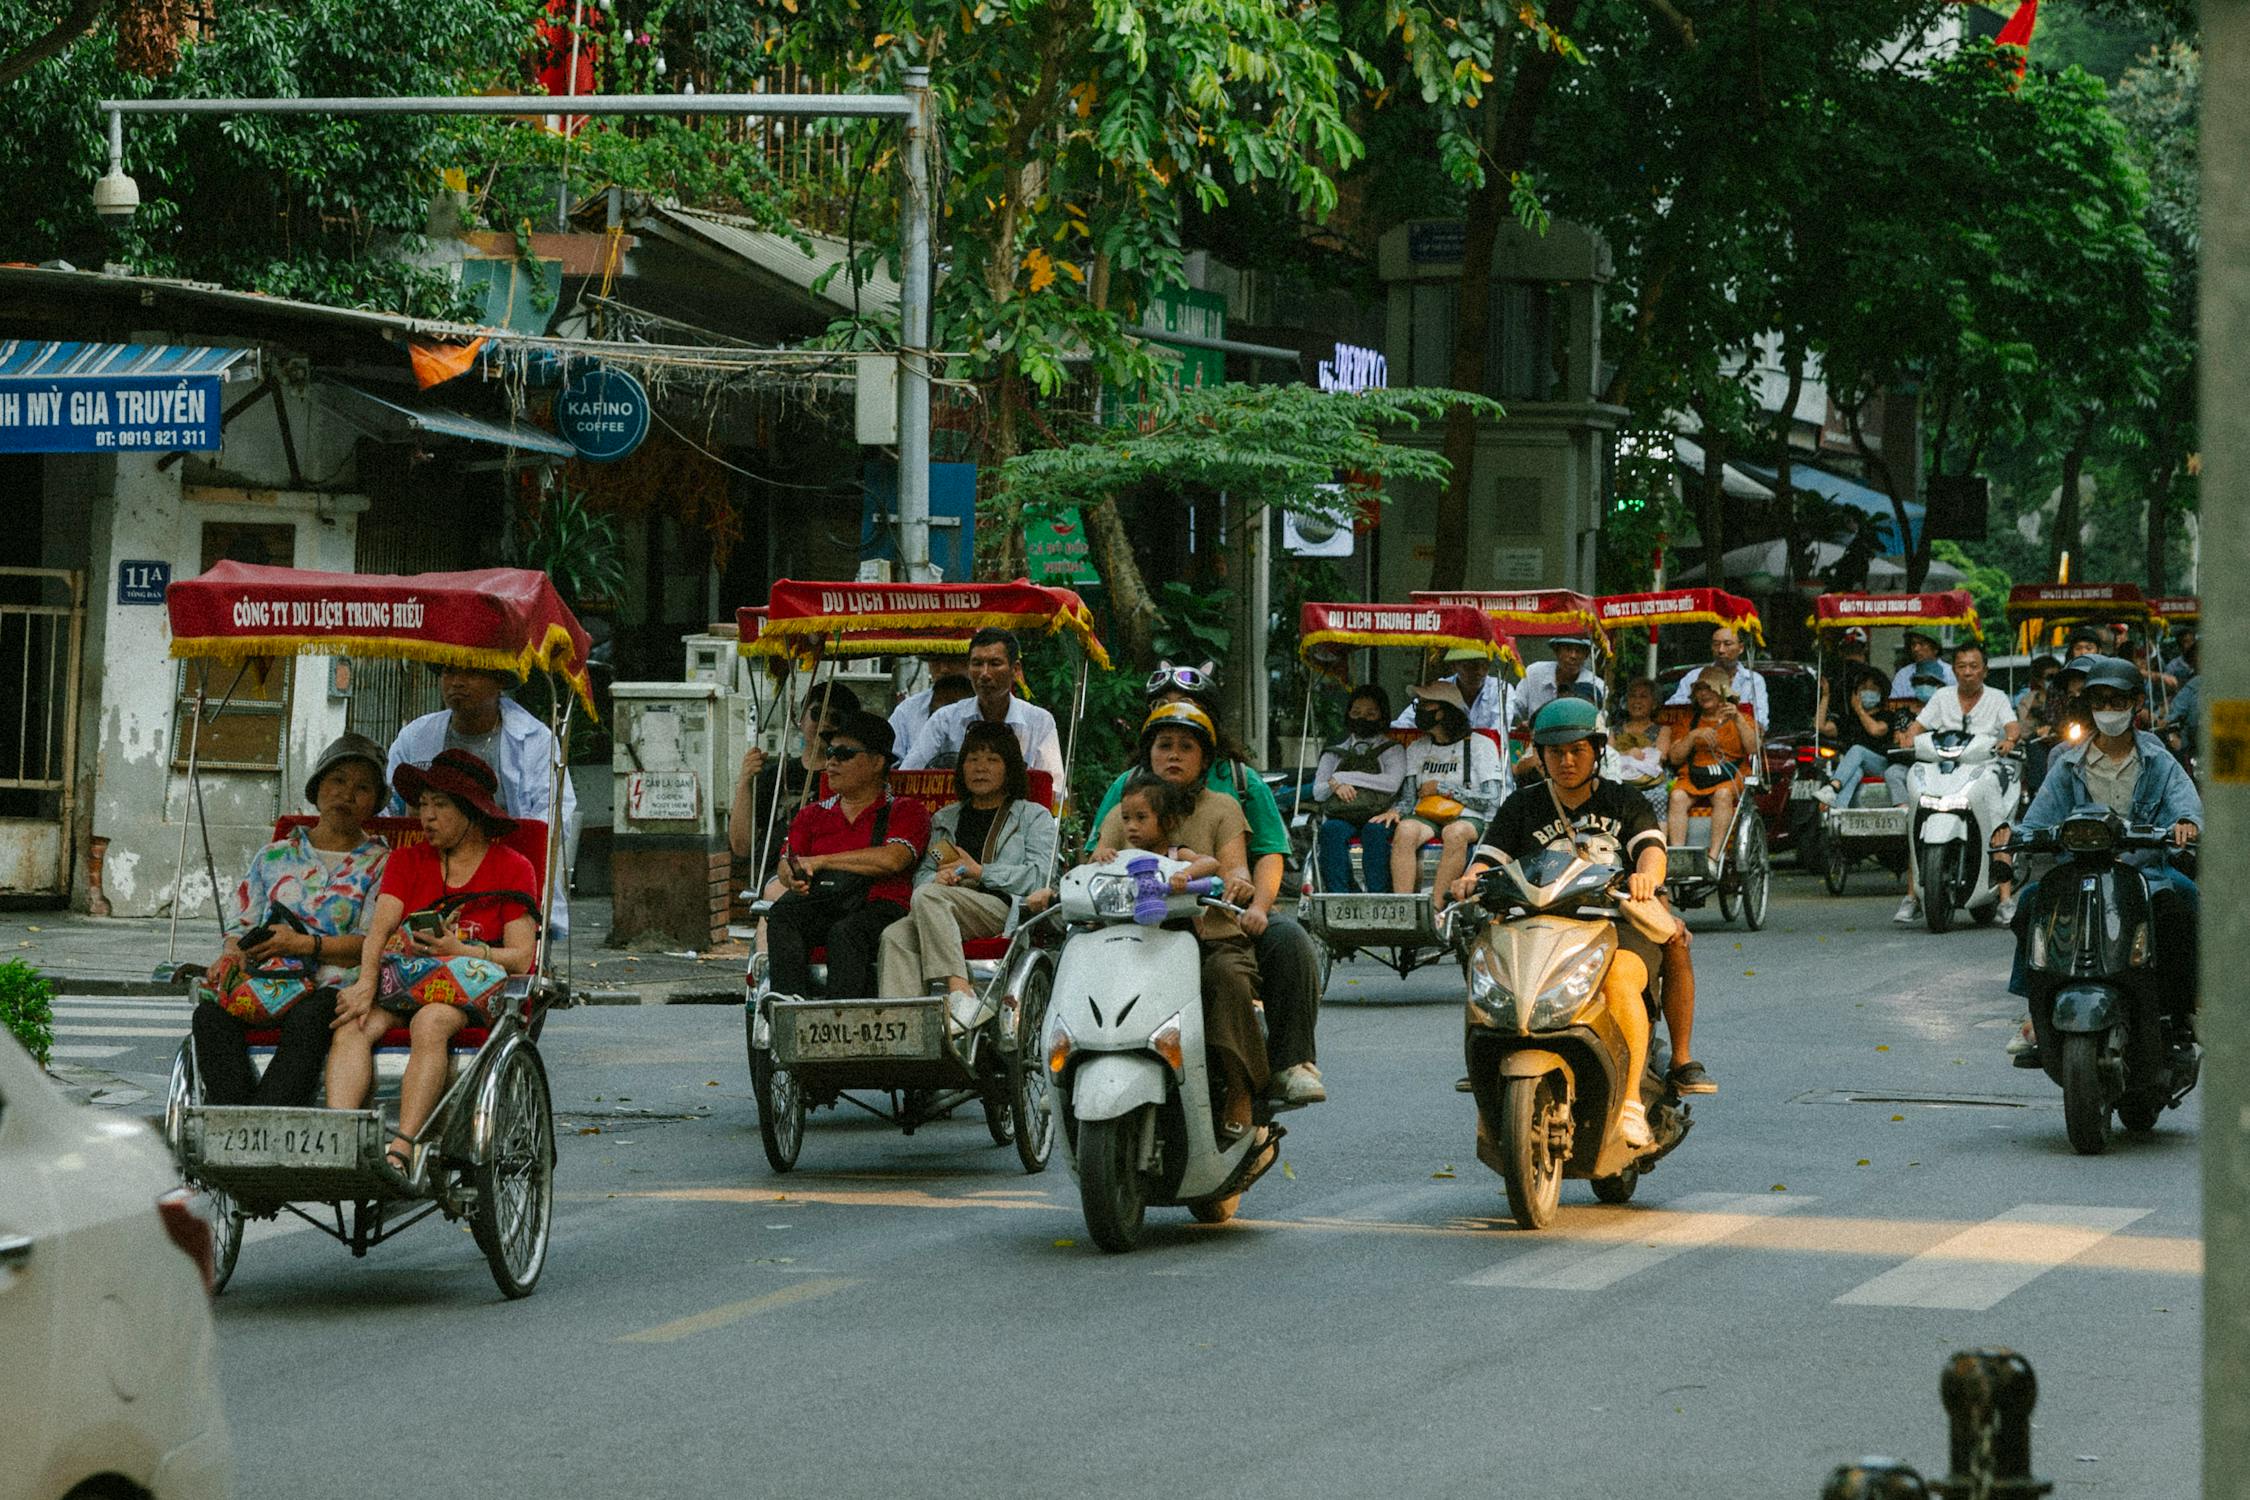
(1690,1078)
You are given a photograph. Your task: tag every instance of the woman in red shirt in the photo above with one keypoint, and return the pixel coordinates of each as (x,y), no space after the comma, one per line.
(438,970)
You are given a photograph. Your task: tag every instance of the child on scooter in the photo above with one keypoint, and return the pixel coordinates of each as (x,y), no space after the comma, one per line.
(1152,810)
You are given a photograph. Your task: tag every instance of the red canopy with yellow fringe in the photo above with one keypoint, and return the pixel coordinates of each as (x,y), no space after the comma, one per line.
(500,619)
(751,640)
(1683,607)
(902,619)
(1539,613)
(2177,609)
(1833,612)
(1327,632)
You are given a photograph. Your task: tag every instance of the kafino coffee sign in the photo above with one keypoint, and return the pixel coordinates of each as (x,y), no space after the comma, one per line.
(603,413)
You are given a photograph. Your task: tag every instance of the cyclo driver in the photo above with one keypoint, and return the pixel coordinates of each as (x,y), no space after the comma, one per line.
(1575,808)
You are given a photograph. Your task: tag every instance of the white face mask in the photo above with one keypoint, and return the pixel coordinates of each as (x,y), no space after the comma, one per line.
(2114,721)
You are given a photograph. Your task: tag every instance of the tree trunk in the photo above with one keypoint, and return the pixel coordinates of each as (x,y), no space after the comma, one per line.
(2067,521)
(1710,507)
(1799,558)
(1506,144)
(1135,611)
(2159,522)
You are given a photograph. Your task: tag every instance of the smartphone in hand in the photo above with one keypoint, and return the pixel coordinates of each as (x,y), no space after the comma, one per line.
(797,872)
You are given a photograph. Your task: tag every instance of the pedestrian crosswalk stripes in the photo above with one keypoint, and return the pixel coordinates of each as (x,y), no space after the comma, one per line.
(1688,1223)
(1976,1268)
(72,1028)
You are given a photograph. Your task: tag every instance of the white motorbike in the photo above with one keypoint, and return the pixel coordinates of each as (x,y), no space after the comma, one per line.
(1962,790)
(1124,1050)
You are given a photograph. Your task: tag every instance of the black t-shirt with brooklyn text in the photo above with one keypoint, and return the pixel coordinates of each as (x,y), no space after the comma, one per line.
(1528,823)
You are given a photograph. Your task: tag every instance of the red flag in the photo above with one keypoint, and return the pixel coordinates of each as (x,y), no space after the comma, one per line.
(2017,33)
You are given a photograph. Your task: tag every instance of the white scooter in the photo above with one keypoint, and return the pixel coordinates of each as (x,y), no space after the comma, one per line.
(1963,790)
(1124,1049)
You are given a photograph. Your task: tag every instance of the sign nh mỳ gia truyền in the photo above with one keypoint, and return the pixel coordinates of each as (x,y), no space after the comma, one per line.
(110,414)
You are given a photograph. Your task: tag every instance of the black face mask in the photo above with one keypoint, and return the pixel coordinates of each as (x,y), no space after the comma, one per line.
(1361,726)
(1425,718)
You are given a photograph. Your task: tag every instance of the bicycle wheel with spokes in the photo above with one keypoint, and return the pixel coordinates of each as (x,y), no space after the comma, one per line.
(515,1183)
(1031,1091)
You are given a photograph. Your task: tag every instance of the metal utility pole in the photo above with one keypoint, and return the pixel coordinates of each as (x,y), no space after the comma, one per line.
(2226,748)
(914,107)
(914,337)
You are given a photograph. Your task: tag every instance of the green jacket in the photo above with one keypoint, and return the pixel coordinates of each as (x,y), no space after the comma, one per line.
(1268,833)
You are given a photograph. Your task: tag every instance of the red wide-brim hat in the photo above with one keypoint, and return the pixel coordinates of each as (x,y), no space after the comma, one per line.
(461,775)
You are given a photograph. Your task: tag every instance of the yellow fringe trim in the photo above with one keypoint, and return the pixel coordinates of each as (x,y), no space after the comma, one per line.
(1078,625)
(551,656)
(1878,622)
(1748,625)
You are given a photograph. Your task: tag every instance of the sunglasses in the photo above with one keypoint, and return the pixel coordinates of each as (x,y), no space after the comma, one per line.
(843,754)
(1186,679)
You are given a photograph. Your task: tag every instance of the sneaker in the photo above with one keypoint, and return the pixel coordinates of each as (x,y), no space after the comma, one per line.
(967,1008)
(1909,912)
(1632,1124)
(1298,1085)
(1826,793)
(2005,912)
(2023,1047)
(1690,1078)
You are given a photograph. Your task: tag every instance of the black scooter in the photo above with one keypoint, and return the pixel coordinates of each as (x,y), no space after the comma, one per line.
(2107,1033)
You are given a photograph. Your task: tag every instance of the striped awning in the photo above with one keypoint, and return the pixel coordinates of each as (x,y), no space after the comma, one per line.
(30,359)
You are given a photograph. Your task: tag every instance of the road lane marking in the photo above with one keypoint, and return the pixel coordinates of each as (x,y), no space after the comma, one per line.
(847,1197)
(1973,1270)
(78,1029)
(180,1002)
(1685,1224)
(84,1052)
(734,1312)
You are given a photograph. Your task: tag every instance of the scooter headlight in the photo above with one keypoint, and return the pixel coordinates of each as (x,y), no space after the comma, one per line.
(2139,954)
(1486,991)
(1111,895)
(1957,802)
(1577,981)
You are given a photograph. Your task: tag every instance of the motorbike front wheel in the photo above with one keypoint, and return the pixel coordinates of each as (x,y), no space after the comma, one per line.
(1937,887)
(1529,1111)
(1109,1181)
(2085,1108)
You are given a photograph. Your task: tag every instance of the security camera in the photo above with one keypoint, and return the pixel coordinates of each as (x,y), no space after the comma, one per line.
(116,196)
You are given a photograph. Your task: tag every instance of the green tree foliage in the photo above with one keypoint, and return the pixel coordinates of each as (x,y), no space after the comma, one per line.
(301,207)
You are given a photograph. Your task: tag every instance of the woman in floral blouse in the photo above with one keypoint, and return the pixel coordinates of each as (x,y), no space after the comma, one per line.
(275,971)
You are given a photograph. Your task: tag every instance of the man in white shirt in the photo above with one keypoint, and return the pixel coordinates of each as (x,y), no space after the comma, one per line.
(1923,649)
(1965,706)
(1544,681)
(915,708)
(993,657)
(481,718)
(1749,683)
(1486,695)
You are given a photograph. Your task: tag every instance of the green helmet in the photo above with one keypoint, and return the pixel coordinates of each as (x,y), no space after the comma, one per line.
(1566,721)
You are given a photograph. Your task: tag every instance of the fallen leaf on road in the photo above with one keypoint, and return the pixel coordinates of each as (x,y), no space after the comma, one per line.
(1883,1047)
(1896,1118)
(1065,1244)
(33,927)
(1863,1161)
(1749,973)
(1780,1187)
(781,1197)
(714,1083)
(1444,1171)
(1738,947)
(2089,1458)
(589,1130)
(1914,1164)
(1288,1171)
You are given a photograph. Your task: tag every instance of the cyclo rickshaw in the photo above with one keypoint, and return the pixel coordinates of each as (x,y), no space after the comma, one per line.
(1397,928)
(1740,875)
(2040,612)
(490,1137)
(1542,614)
(904,1061)
(1871,828)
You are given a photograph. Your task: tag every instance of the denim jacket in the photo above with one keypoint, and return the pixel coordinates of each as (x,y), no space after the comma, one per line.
(2162,793)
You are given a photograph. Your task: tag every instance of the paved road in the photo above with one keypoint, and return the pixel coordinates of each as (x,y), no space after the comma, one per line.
(1874,1188)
